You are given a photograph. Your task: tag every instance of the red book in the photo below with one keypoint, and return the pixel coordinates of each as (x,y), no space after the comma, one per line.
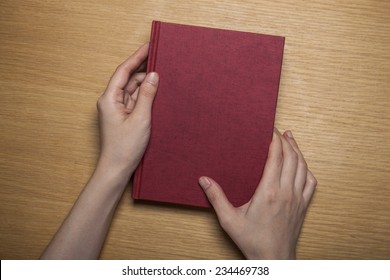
(213,114)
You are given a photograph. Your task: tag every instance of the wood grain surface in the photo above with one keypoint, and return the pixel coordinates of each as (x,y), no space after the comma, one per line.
(57,56)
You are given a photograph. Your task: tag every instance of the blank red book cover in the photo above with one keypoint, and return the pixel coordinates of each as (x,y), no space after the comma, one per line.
(213,114)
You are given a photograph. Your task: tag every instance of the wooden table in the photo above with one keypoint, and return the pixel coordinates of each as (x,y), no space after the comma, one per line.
(57,56)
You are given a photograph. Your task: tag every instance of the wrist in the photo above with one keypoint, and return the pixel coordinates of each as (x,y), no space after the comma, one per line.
(271,255)
(116,175)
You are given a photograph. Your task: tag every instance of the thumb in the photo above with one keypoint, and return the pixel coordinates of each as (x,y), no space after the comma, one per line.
(147,92)
(216,196)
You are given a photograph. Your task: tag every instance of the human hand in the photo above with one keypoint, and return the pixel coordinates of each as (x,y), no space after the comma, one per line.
(125,113)
(268,226)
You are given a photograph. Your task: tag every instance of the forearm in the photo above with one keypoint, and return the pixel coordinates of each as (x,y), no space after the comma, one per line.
(82,234)
(124,120)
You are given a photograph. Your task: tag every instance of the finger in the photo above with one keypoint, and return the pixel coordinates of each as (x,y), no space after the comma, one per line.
(223,208)
(134,96)
(273,165)
(300,178)
(272,171)
(134,82)
(290,164)
(146,94)
(129,102)
(130,92)
(123,72)
(310,187)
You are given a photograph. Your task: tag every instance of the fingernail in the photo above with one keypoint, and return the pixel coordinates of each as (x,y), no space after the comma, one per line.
(289,134)
(204,182)
(152,78)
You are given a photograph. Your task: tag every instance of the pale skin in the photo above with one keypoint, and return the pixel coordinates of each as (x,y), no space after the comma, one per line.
(267,227)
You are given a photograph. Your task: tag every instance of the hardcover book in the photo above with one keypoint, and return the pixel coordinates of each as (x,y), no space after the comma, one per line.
(213,114)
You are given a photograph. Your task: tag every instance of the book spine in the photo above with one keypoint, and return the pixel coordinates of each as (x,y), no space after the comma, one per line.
(154,38)
(151,66)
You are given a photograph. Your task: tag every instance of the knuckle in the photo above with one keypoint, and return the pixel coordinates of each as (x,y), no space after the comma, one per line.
(103,104)
(120,67)
(313,181)
(225,221)
(303,163)
(99,103)
(139,78)
(271,196)
(288,196)
(293,155)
